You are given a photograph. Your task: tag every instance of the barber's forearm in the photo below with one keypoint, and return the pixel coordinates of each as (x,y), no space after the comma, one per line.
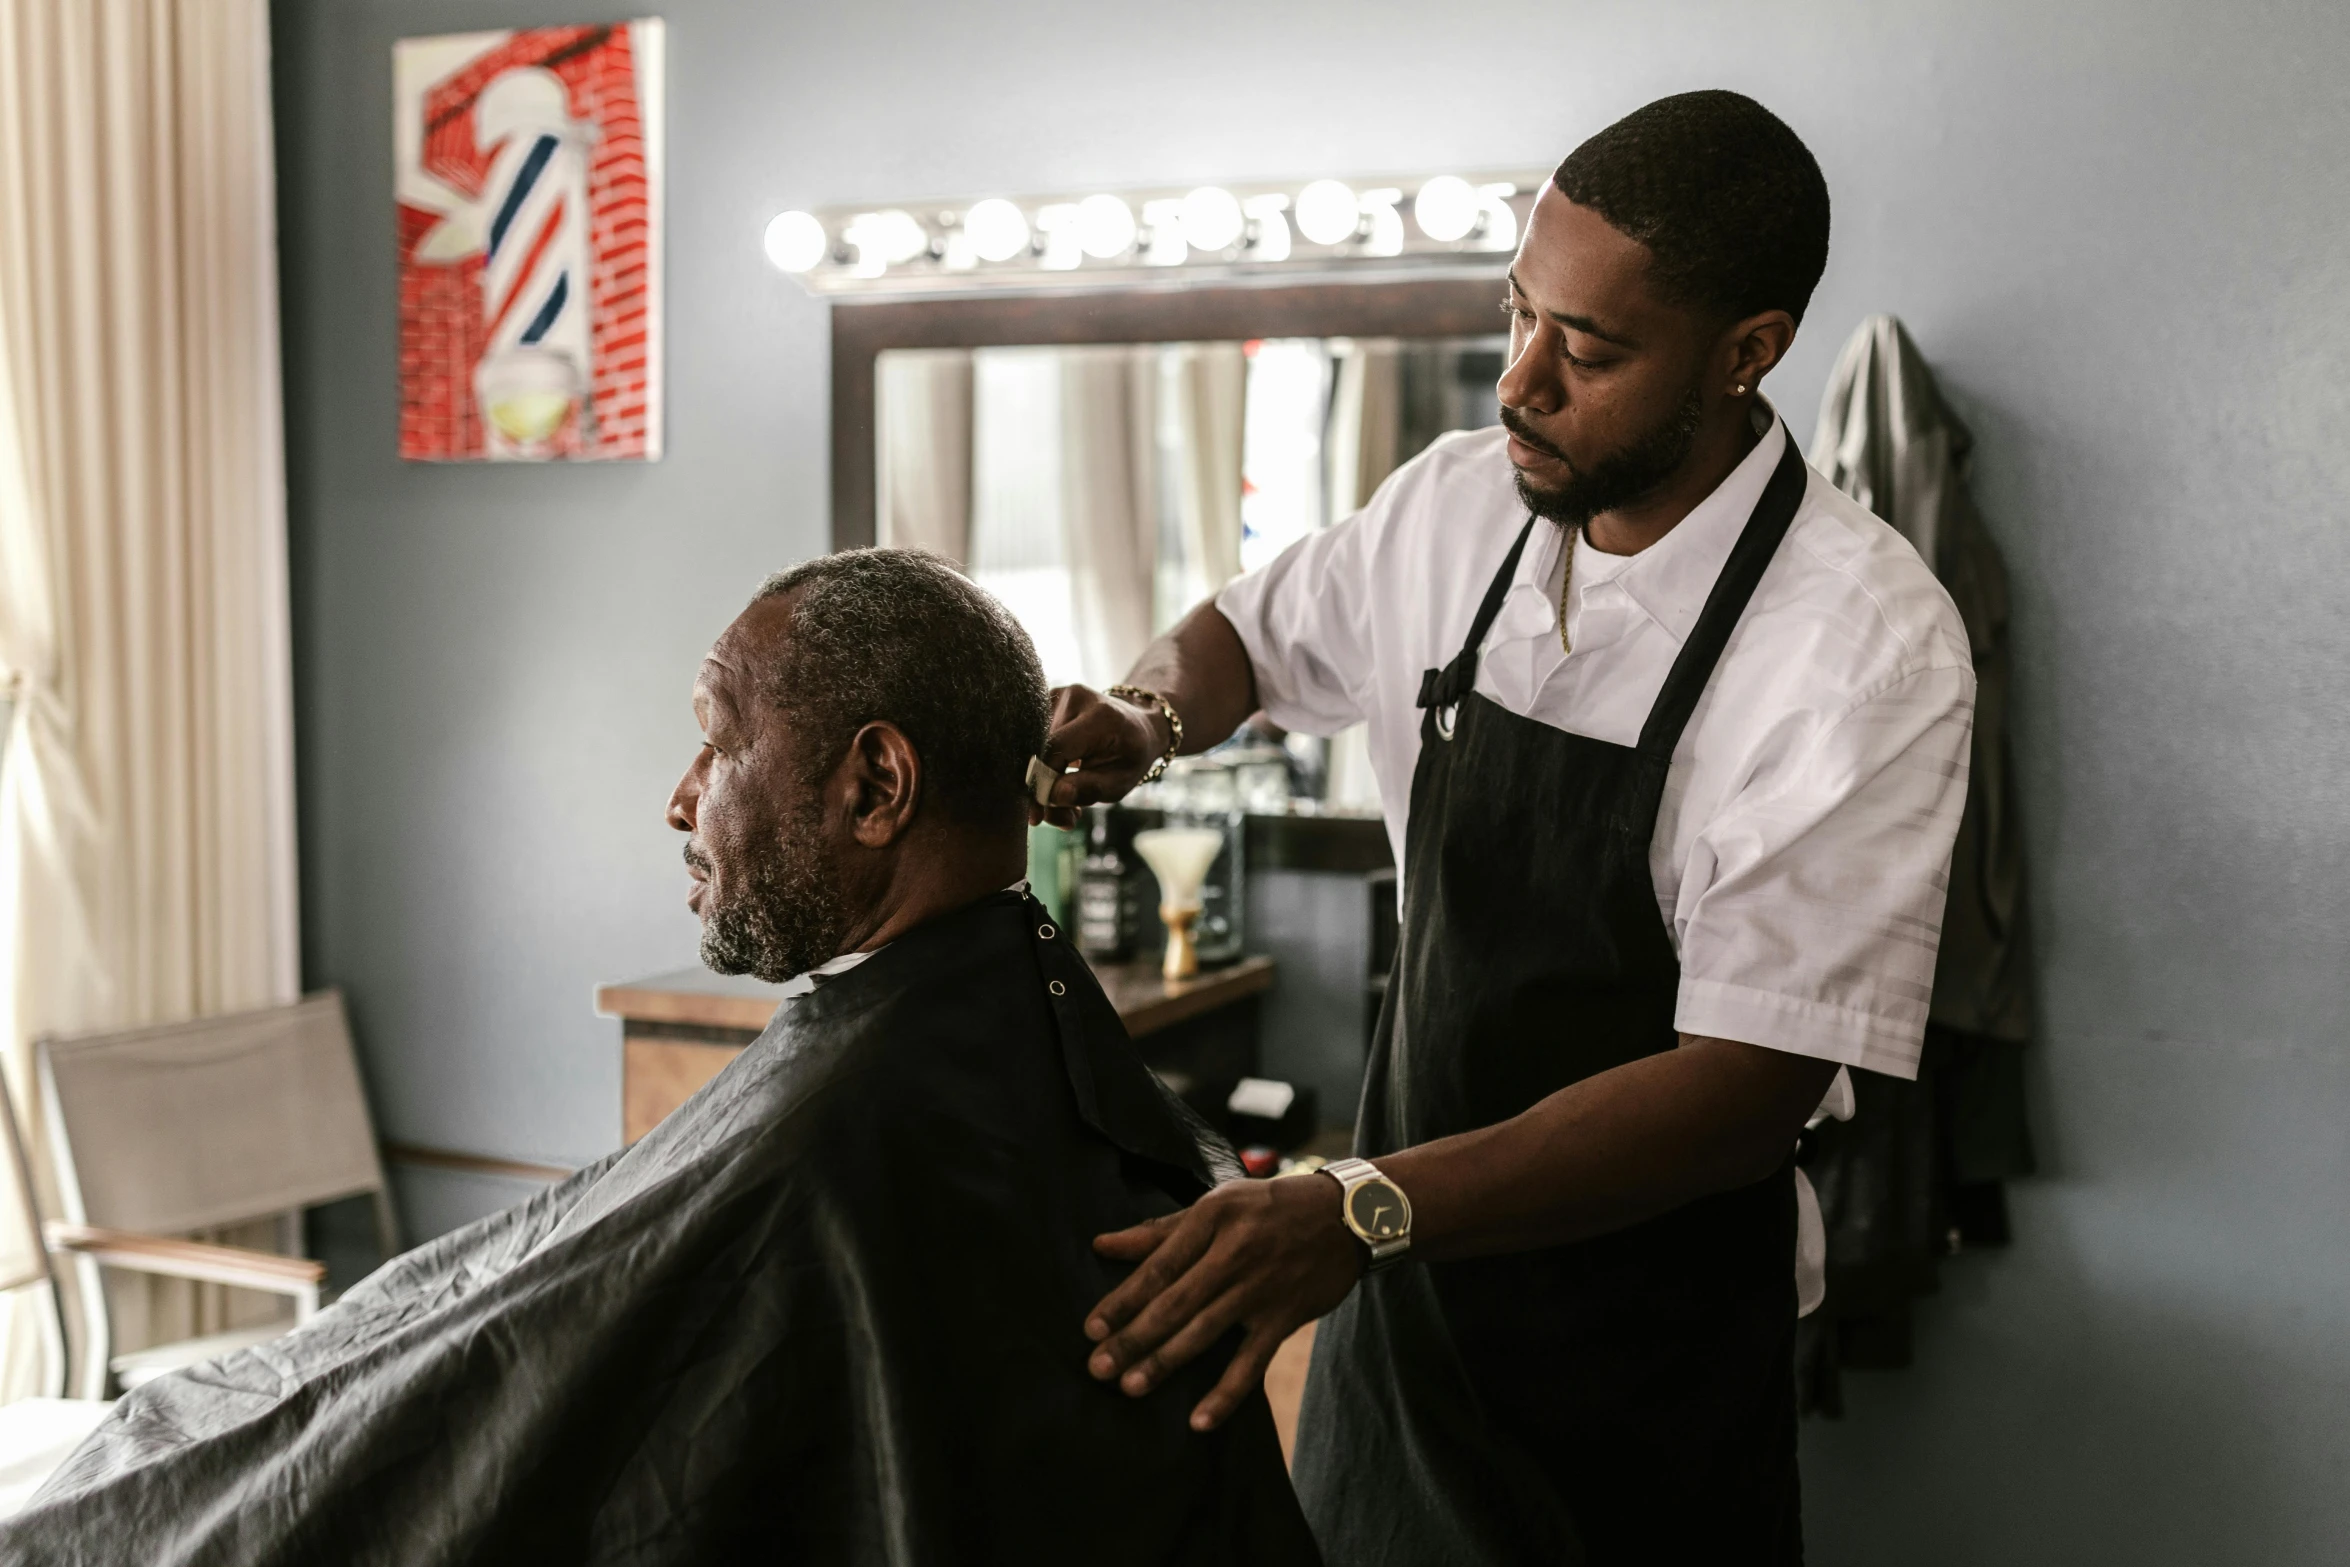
(1610,1151)
(1201,667)
(1607,1152)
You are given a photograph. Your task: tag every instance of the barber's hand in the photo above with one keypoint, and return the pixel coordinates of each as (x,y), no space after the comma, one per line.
(1113,742)
(1270,1256)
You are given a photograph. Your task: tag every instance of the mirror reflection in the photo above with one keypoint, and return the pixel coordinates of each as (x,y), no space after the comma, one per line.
(1102,490)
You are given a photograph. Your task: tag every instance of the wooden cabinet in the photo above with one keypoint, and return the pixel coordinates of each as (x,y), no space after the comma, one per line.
(677,1031)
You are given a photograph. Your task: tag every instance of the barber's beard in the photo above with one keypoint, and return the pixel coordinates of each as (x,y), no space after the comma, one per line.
(1616,480)
(782,914)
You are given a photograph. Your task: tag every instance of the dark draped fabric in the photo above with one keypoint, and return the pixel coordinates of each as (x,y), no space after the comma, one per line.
(1918,1173)
(828,1312)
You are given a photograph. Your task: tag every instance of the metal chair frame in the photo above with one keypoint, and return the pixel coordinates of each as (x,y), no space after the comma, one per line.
(87,1248)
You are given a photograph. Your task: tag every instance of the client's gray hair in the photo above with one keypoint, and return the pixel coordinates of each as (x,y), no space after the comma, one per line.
(902,637)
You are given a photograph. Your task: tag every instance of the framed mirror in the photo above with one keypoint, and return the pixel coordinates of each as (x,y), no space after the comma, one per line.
(1103,462)
(1410,310)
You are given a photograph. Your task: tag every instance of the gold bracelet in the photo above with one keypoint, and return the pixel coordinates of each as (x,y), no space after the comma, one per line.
(1141,698)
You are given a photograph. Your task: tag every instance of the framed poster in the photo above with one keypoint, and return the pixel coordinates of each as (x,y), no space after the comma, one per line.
(528,177)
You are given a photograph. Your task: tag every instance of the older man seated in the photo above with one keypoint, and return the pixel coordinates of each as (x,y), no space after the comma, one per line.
(831,1310)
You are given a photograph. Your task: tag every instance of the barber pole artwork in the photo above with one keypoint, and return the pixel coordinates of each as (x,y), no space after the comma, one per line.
(529,185)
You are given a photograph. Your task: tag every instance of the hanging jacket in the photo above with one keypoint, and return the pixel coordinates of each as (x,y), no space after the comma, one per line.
(1917,1172)
(1887,439)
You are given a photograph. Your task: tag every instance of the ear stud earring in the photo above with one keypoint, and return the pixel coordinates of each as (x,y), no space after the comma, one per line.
(1739,390)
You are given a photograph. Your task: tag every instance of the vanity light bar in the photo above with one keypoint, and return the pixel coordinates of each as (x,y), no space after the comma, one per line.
(1325,225)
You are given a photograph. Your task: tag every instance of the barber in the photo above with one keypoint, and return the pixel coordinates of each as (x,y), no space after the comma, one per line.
(1672,739)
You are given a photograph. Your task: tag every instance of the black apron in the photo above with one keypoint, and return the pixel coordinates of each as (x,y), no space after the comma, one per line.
(1626,1399)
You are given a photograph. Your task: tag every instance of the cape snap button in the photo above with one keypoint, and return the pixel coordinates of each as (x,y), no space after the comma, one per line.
(1046,931)
(1057,988)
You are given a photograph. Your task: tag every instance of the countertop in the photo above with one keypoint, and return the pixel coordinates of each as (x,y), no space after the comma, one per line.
(1145,999)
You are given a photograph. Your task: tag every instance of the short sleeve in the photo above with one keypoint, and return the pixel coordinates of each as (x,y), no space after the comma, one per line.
(1304,620)
(1811,912)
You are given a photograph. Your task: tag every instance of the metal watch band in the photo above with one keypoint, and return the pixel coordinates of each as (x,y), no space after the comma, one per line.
(1351,1173)
(1141,698)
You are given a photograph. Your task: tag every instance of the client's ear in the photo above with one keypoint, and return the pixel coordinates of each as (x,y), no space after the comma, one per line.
(885,773)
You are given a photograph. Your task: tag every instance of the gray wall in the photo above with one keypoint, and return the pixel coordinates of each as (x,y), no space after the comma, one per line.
(2122,232)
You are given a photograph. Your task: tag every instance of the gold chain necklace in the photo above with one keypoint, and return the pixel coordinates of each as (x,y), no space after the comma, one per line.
(1566,582)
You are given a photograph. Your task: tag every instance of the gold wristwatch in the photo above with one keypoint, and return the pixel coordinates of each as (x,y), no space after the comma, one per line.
(1375,1208)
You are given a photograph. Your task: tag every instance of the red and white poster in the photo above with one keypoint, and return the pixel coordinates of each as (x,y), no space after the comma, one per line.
(529,184)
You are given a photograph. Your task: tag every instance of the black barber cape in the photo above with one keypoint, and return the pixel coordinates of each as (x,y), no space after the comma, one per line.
(830,1311)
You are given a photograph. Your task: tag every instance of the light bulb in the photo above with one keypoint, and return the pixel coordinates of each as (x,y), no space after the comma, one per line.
(998,230)
(1501,224)
(1164,219)
(1326,212)
(1384,237)
(1271,240)
(1058,224)
(796,242)
(885,239)
(1446,208)
(1105,227)
(890,238)
(1211,219)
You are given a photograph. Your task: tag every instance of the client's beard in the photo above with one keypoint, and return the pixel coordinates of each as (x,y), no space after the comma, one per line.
(1618,479)
(784,916)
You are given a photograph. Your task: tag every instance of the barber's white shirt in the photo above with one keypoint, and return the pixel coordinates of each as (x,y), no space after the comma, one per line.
(1803,843)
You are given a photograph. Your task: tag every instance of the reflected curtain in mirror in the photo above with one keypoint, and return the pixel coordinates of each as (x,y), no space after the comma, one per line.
(1201,436)
(1103,490)
(1095,489)
(1366,421)
(922,478)
(1109,502)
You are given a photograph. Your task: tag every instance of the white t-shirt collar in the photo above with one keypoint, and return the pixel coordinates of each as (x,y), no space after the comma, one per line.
(805,984)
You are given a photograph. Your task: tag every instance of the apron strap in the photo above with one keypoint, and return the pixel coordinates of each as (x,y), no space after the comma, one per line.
(1445,687)
(1748,558)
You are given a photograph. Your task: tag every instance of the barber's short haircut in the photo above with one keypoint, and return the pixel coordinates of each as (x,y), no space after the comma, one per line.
(902,637)
(1728,200)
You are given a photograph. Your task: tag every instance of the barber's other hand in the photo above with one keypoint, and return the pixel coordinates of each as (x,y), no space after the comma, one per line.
(1113,742)
(1269,1256)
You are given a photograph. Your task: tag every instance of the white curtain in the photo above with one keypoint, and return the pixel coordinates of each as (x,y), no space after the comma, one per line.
(1366,421)
(1103,488)
(1110,502)
(146,801)
(1204,388)
(922,457)
(1019,549)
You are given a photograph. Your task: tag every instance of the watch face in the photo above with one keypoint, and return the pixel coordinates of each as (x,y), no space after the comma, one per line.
(1378,1210)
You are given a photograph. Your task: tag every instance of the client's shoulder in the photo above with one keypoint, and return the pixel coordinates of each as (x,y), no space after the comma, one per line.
(954,1015)
(994,1011)
(983,1031)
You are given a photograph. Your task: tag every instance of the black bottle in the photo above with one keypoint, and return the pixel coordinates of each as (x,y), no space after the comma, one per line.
(1105,912)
